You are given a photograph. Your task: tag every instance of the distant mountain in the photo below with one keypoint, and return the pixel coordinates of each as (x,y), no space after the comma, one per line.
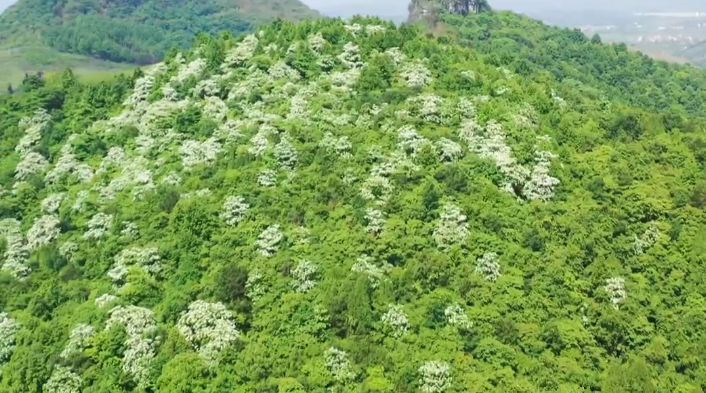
(134,31)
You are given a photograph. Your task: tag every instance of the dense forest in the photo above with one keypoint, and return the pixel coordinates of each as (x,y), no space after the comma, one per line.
(340,206)
(139,31)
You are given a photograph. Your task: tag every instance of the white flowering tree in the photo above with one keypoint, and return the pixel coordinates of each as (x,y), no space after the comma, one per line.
(44,231)
(145,258)
(646,240)
(78,340)
(452,228)
(139,323)
(488,266)
(98,226)
(615,286)
(395,319)
(434,377)
(234,209)
(304,276)
(456,316)
(338,365)
(63,380)
(208,328)
(375,221)
(16,253)
(8,331)
(268,241)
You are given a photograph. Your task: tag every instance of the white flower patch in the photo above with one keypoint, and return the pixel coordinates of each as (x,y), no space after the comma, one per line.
(375,29)
(267,178)
(338,365)
(68,250)
(234,210)
(350,57)
(317,42)
(202,193)
(427,107)
(435,377)
(16,253)
(456,316)
(410,141)
(206,88)
(242,52)
(51,204)
(171,179)
(354,28)
(268,240)
(8,330)
(186,71)
(375,221)
(396,320)
(646,240)
(285,153)
(281,70)
(98,226)
(343,81)
(194,152)
(32,163)
(44,231)
(215,109)
(415,74)
(130,229)
(63,380)
(33,128)
(142,89)
(146,258)
(615,286)
(299,107)
(67,165)
(341,146)
(377,189)
(230,131)
(452,227)
(104,300)
(449,151)
(303,276)
(78,340)
(488,266)
(366,265)
(260,142)
(208,328)
(114,159)
(138,322)
(253,286)
(81,198)
(134,173)
(396,55)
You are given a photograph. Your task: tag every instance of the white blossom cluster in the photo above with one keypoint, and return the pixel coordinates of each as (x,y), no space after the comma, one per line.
(449,151)
(350,57)
(209,328)
(615,286)
(242,52)
(146,258)
(338,364)
(32,163)
(456,316)
(541,184)
(304,276)
(375,221)
(51,204)
(646,240)
(316,42)
(187,70)
(526,117)
(285,153)
(341,146)
(267,178)
(229,131)
(253,286)
(281,70)
(396,55)
(452,227)
(488,266)
(206,88)
(68,250)
(195,152)
(215,109)
(44,231)
(260,142)
(557,99)
(8,330)
(410,141)
(234,209)
(427,106)
(202,193)
(78,340)
(98,226)
(134,172)
(396,320)
(415,74)
(81,197)
(130,229)
(69,165)
(63,380)
(16,253)
(366,265)
(141,90)
(435,377)
(138,322)
(33,128)
(104,300)
(269,240)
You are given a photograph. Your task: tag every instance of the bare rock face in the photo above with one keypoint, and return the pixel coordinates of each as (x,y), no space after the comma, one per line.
(430,9)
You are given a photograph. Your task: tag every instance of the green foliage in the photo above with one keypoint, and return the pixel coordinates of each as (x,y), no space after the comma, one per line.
(330,207)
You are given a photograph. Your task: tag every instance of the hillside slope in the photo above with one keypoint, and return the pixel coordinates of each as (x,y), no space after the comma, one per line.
(527,46)
(330,207)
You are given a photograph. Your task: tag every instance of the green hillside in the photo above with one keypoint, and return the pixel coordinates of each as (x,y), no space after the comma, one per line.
(354,207)
(94,35)
(529,47)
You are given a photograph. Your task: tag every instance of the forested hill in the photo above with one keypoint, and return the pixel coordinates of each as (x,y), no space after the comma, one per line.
(608,72)
(139,31)
(350,207)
